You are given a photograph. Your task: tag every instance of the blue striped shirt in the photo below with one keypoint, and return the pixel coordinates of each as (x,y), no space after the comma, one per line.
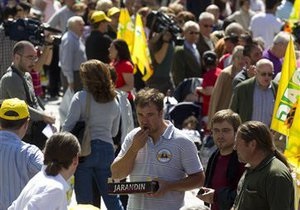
(19,162)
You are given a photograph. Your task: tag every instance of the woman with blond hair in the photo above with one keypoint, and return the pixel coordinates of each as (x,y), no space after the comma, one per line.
(103,124)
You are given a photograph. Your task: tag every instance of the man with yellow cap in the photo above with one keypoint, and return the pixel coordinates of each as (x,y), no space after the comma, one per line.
(114,14)
(98,42)
(19,161)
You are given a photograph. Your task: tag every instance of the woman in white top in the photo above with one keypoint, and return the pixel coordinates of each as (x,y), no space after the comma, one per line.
(47,190)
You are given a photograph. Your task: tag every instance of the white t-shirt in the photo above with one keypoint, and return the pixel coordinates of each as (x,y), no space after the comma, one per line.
(266,26)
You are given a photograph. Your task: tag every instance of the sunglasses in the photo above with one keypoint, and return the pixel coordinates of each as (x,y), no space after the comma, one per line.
(208,26)
(194,32)
(263,74)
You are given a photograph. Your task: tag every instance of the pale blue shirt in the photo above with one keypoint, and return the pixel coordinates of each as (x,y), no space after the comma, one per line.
(263,104)
(19,162)
(71,54)
(172,158)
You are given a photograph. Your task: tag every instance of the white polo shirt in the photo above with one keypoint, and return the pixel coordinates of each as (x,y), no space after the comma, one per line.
(172,158)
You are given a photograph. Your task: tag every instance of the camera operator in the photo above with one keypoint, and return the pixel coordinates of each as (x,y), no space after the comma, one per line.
(6,44)
(161,50)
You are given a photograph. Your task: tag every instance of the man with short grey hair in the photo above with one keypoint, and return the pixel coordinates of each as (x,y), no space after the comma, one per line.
(187,59)
(72,54)
(206,24)
(253,99)
(277,51)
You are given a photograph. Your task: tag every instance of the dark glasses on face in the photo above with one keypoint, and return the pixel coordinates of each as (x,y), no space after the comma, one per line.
(193,32)
(208,26)
(266,74)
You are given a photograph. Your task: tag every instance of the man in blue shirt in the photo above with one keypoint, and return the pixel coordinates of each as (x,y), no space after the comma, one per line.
(72,54)
(19,161)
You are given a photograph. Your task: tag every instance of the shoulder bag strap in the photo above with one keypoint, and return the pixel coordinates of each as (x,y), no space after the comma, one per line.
(87,108)
(28,98)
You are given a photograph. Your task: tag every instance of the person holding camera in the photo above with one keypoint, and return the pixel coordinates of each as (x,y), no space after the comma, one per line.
(161,50)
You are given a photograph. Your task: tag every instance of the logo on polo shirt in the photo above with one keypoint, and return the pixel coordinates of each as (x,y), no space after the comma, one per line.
(164,156)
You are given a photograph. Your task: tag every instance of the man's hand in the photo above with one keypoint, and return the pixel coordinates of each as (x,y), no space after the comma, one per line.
(208,195)
(140,139)
(49,119)
(163,188)
(251,71)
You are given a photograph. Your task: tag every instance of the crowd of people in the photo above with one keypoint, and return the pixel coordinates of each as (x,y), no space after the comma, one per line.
(226,58)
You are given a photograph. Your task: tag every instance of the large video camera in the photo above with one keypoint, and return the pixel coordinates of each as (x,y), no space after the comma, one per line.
(30,30)
(159,22)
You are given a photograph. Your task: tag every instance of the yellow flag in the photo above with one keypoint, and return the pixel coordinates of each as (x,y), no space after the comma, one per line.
(140,52)
(295,14)
(126,28)
(288,91)
(292,152)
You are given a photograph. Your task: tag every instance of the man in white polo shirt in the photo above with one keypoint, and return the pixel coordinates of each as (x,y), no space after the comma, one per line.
(159,151)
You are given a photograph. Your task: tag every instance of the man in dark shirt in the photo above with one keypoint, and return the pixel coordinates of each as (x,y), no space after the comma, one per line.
(223,169)
(98,42)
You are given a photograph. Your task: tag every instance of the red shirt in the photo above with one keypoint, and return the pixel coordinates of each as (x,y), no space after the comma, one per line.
(36,81)
(209,79)
(121,67)
(222,60)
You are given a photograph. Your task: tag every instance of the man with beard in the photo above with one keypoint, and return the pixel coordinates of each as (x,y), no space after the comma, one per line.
(158,150)
(17,83)
(223,169)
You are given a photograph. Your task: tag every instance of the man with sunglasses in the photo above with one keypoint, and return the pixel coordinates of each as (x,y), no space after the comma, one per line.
(17,83)
(253,99)
(206,23)
(187,60)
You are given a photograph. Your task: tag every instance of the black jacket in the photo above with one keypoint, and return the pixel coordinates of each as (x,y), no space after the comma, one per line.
(225,197)
(96,46)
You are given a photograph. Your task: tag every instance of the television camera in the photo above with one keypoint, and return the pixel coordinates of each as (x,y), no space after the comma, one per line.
(30,30)
(159,22)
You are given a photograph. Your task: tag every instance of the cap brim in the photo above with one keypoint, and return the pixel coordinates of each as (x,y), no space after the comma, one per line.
(107,19)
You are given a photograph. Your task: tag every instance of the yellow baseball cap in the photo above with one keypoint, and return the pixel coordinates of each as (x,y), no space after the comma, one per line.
(14,109)
(112,11)
(98,16)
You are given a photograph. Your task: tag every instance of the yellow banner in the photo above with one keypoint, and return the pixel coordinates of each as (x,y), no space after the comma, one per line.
(126,28)
(140,52)
(292,152)
(288,91)
(295,14)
